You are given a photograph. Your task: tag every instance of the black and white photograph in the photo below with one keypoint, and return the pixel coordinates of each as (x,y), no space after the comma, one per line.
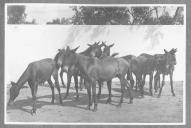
(95,64)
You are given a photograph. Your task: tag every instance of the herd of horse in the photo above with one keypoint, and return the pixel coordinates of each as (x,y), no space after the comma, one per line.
(95,65)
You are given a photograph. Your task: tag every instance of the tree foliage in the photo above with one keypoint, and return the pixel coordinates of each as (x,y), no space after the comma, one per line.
(16,15)
(98,15)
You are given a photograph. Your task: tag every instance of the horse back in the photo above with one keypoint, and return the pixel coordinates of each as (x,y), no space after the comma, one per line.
(42,70)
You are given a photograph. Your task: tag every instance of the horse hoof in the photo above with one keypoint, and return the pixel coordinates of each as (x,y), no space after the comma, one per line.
(88,107)
(173,94)
(52,102)
(65,96)
(95,110)
(108,101)
(77,98)
(119,105)
(98,96)
(131,101)
(158,96)
(33,112)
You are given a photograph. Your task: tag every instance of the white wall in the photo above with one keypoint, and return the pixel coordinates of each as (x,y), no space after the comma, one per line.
(27,43)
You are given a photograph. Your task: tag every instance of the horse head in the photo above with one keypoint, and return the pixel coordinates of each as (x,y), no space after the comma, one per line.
(106,50)
(170,58)
(14,92)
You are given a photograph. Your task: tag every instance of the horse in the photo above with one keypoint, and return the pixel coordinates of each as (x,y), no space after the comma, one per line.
(128,58)
(165,66)
(141,66)
(94,70)
(106,53)
(94,49)
(148,68)
(36,73)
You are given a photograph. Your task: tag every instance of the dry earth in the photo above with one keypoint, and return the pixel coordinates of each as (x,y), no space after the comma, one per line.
(150,109)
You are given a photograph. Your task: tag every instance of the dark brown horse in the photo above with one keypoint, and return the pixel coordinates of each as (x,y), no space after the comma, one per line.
(148,67)
(94,70)
(93,50)
(165,66)
(105,53)
(36,73)
(141,66)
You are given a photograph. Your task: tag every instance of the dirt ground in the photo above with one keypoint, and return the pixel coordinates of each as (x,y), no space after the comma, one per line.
(150,109)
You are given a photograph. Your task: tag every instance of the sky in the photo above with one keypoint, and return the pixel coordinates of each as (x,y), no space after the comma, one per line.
(44,12)
(27,43)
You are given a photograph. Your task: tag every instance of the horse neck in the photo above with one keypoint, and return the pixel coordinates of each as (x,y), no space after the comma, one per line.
(24,78)
(56,59)
(79,61)
(86,52)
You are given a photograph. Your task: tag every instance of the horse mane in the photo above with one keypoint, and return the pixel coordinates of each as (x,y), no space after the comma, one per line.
(86,51)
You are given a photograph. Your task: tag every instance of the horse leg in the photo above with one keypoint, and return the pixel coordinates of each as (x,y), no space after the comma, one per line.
(136,84)
(122,81)
(34,92)
(132,81)
(156,81)
(61,76)
(150,83)
(55,76)
(31,85)
(69,76)
(99,92)
(141,84)
(143,80)
(109,90)
(94,95)
(52,89)
(129,89)
(88,86)
(81,83)
(163,82)
(130,77)
(76,86)
(171,84)
(159,80)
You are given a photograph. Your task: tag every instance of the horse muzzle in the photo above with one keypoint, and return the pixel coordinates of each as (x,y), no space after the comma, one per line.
(10,103)
(66,68)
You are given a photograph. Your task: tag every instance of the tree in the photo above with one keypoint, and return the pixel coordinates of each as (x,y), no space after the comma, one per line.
(104,15)
(16,14)
(99,15)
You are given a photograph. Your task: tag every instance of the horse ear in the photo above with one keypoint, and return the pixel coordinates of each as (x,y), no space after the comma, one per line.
(175,50)
(165,51)
(67,48)
(111,45)
(74,50)
(59,50)
(114,54)
(89,45)
(13,83)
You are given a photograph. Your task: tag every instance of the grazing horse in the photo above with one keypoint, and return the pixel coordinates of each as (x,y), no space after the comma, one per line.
(36,73)
(94,70)
(165,66)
